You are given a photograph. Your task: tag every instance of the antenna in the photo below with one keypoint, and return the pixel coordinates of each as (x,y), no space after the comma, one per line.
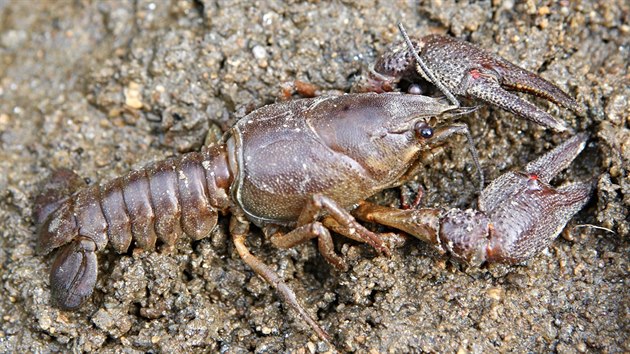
(423,69)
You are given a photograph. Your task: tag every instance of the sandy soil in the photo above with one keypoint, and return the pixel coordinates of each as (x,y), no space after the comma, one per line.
(105,87)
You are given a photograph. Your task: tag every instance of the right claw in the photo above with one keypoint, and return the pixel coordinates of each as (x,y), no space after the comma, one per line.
(468,71)
(73,274)
(519,214)
(526,213)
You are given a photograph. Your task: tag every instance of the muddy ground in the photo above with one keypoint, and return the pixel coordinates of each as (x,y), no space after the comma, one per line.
(104,87)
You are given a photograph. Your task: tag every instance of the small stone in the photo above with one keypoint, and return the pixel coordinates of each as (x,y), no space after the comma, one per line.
(615,171)
(311,347)
(543,23)
(45,322)
(4,120)
(133,96)
(495,293)
(544,10)
(13,39)
(581,347)
(259,52)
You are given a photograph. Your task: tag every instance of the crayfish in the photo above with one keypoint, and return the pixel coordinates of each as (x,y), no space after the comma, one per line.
(302,168)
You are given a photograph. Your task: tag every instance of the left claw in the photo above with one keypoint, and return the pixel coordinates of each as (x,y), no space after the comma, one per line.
(519,213)
(469,71)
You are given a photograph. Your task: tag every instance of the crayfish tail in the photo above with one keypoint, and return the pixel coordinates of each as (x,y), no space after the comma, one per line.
(55,189)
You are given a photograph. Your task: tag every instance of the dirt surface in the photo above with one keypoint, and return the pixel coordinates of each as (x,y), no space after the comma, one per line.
(105,87)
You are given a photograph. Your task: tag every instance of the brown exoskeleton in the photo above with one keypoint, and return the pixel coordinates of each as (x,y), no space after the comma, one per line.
(274,169)
(295,169)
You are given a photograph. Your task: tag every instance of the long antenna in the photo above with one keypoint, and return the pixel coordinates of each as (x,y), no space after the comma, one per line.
(462,128)
(423,69)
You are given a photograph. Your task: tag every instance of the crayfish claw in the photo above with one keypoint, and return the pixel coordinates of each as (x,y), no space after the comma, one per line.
(526,213)
(541,170)
(549,165)
(470,71)
(73,274)
(518,79)
(533,221)
(488,90)
(462,69)
(519,213)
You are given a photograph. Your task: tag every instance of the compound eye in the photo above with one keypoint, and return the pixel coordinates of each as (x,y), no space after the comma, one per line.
(423,130)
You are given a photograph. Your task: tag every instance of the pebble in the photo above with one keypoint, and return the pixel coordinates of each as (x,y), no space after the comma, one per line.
(133,98)
(495,293)
(259,52)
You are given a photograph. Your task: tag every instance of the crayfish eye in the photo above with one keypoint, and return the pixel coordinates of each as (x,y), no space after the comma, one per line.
(423,130)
